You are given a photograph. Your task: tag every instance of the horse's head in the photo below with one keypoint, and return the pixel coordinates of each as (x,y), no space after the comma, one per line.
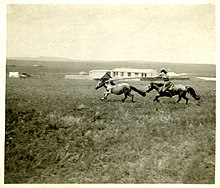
(100,84)
(197,97)
(150,87)
(155,86)
(105,82)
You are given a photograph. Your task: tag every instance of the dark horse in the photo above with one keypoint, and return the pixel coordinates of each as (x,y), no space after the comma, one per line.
(24,75)
(174,89)
(118,89)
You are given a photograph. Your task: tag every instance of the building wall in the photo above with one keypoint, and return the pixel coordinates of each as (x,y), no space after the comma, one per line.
(121,74)
(14,74)
(97,74)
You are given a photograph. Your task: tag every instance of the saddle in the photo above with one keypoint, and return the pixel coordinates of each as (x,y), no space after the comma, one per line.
(170,86)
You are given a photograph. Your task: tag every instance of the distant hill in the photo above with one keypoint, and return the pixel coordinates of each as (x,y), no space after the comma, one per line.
(41,58)
(65,65)
(60,59)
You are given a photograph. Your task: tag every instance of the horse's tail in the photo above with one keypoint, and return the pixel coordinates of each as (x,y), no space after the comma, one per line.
(192,92)
(142,93)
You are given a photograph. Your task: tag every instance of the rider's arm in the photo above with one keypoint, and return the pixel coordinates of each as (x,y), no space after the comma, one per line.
(159,76)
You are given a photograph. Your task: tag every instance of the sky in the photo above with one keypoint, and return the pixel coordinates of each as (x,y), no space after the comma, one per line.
(164,33)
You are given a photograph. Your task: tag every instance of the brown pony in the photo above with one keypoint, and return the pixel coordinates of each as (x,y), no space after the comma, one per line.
(174,89)
(117,89)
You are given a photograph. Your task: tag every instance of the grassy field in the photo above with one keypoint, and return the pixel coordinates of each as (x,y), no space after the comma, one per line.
(58,131)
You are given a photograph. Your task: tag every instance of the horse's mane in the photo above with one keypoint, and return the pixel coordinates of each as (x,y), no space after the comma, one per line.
(106,77)
(112,83)
(158,84)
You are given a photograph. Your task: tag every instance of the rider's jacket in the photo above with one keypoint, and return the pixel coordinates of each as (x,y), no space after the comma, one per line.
(164,76)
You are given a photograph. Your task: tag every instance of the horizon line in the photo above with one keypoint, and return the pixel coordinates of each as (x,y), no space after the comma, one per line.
(100,60)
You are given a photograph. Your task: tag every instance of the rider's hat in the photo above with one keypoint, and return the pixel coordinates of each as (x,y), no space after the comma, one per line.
(163,70)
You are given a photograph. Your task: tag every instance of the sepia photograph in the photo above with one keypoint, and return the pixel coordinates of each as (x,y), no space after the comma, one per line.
(110,94)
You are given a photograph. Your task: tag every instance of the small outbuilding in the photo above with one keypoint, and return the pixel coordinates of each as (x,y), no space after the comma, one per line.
(14,74)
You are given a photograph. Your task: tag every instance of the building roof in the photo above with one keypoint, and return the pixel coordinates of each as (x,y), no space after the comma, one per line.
(100,70)
(133,70)
(83,73)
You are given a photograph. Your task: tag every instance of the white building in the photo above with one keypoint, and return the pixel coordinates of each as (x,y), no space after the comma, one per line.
(83,73)
(97,74)
(14,74)
(133,73)
(124,73)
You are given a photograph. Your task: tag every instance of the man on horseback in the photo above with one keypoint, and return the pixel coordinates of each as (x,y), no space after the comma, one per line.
(167,83)
(117,89)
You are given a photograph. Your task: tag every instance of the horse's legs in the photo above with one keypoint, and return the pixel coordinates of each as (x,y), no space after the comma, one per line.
(180,94)
(179,98)
(156,98)
(184,96)
(132,97)
(106,94)
(186,99)
(126,95)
